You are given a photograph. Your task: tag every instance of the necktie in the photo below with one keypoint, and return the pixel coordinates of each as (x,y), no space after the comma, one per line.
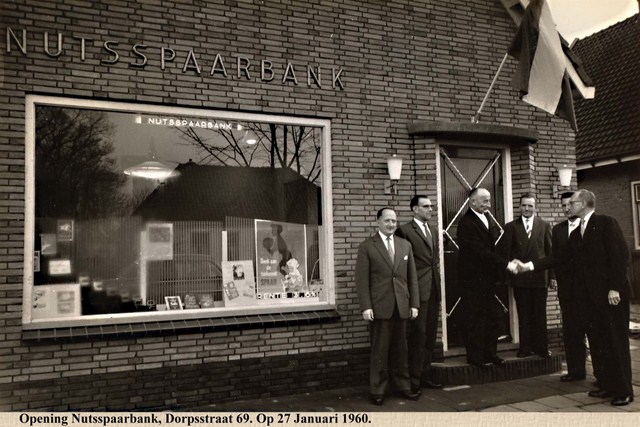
(425,230)
(527,227)
(390,247)
(583,226)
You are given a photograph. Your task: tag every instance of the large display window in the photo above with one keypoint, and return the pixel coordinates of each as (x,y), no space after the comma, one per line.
(137,212)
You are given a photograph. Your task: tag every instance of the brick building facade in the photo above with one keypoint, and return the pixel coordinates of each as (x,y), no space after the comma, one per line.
(385,66)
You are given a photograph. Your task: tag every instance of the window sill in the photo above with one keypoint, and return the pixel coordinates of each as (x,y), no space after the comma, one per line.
(179,326)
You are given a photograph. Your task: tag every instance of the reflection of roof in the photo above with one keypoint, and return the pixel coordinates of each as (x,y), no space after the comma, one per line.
(214,192)
(608,124)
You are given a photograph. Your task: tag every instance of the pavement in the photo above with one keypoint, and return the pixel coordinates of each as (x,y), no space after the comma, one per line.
(545,393)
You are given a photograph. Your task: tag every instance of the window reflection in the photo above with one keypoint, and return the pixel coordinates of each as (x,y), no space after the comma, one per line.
(133,210)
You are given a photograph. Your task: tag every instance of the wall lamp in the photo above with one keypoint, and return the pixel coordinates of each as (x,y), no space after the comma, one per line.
(564,175)
(394,167)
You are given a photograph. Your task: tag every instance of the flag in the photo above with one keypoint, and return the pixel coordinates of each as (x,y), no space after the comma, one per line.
(542,74)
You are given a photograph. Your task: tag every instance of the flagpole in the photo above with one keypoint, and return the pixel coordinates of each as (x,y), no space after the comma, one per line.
(486,96)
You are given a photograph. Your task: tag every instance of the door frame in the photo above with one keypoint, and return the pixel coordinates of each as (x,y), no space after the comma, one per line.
(508,209)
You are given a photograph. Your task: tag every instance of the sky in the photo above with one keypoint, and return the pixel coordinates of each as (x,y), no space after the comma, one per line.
(581,18)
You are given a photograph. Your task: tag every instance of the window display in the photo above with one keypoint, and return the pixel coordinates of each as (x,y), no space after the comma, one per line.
(153,210)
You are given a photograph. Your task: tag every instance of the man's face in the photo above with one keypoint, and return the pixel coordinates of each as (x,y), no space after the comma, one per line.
(527,207)
(387,222)
(566,207)
(423,210)
(481,201)
(577,207)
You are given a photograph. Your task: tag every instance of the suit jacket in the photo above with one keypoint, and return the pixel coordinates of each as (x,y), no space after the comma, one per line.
(562,273)
(598,260)
(480,266)
(381,284)
(427,259)
(516,244)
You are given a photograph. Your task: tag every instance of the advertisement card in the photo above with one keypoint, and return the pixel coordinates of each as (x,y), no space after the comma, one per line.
(238,283)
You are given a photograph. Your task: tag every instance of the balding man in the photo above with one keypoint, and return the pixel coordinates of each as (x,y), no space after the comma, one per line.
(480,270)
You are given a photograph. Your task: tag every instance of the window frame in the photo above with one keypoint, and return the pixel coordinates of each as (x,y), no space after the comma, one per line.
(635,208)
(327,260)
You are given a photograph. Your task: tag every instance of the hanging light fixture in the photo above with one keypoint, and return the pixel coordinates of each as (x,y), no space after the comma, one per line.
(151,170)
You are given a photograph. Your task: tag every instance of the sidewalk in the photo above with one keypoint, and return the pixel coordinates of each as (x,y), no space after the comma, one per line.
(538,394)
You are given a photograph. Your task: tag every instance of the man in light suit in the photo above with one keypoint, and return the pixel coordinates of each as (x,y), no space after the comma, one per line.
(387,286)
(528,238)
(424,329)
(480,269)
(599,258)
(570,293)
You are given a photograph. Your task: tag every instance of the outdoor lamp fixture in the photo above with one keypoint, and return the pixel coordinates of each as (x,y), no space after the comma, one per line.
(564,175)
(394,167)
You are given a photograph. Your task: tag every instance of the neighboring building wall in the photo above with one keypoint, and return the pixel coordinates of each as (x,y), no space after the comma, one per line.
(403,61)
(612,186)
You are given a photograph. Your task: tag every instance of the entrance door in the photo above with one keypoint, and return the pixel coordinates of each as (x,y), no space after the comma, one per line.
(461,169)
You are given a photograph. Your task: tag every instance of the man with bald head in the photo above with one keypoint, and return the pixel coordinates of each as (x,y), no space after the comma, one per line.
(480,270)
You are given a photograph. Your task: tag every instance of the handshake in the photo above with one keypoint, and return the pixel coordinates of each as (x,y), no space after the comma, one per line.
(516,266)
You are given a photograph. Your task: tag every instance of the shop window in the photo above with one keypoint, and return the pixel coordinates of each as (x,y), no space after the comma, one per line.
(635,198)
(139,212)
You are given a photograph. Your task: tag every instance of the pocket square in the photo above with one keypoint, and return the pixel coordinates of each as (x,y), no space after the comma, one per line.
(406,257)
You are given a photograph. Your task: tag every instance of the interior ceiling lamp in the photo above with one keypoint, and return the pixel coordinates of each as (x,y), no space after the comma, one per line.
(151,170)
(394,167)
(564,175)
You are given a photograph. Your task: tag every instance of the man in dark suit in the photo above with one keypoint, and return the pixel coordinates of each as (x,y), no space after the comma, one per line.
(387,286)
(480,270)
(574,323)
(424,329)
(528,238)
(599,257)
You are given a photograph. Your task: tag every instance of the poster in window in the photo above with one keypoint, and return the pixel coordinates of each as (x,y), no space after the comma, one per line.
(238,283)
(281,262)
(48,244)
(64,230)
(159,241)
(55,301)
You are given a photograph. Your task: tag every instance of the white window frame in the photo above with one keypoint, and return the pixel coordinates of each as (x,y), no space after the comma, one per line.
(327,252)
(635,208)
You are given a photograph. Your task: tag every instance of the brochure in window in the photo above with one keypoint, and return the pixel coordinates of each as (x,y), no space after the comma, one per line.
(238,283)
(281,262)
(158,244)
(48,244)
(173,303)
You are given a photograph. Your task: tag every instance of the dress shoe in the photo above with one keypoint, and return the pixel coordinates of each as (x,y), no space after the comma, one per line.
(416,390)
(622,401)
(498,361)
(572,377)
(377,400)
(432,384)
(599,393)
(408,394)
(544,354)
(523,353)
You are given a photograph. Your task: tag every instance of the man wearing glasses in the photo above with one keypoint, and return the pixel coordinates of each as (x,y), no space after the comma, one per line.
(423,330)
(599,258)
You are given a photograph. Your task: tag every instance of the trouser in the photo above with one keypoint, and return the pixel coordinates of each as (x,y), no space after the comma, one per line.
(574,330)
(482,323)
(388,361)
(423,331)
(532,318)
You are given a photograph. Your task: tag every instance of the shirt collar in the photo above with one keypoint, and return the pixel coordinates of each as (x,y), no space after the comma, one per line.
(587,217)
(383,237)
(524,220)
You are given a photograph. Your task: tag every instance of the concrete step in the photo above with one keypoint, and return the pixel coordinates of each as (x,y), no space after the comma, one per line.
(456,371)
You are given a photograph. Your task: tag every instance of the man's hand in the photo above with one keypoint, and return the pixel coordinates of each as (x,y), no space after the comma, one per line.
(553,284)
(414,313)
(513,266)
(614,297)
(368,315)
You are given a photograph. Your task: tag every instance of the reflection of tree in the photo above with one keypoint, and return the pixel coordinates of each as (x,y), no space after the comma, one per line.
(74,173)
(278,146)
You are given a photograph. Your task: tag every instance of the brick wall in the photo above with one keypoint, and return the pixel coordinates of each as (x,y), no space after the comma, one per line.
(403,61)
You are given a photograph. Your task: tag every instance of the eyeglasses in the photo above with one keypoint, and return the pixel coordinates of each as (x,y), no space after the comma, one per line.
(575,201)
